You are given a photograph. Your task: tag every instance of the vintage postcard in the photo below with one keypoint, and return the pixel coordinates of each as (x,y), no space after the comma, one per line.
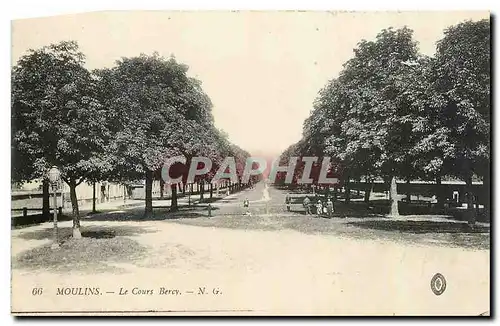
(252,163)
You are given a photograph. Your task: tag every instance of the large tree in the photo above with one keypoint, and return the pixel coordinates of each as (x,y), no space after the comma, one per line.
(364,118)
(461,86)
(158,112)
(56,118)
(379,118)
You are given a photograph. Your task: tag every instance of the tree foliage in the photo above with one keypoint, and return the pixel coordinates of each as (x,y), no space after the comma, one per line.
(116,124)
(393,112)
(56,118)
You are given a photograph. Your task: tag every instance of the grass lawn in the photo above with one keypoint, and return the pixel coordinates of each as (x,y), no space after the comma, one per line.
(84,254)
(99,246)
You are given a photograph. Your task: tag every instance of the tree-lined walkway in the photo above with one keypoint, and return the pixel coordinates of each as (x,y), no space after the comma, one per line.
(313,270)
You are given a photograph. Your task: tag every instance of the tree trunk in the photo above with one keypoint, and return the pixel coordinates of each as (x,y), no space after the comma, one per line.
(162,187)
(478,211)
(368,190)
(174,206)
(211,189)
(55,230)
(76,212)
(93,197)
(487,195)
(408,191)
(439,193)
(394,198)
(347,191)
(202,190)
(46,199)
(183,188)
(149,193)
(471,212)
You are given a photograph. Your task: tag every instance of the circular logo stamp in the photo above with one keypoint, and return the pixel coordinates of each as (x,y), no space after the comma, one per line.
(438,284)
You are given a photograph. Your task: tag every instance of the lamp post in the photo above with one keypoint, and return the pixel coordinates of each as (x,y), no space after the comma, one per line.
(54,176)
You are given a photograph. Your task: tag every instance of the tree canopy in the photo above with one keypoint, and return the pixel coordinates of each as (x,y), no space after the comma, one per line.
(113,124)
(393,112)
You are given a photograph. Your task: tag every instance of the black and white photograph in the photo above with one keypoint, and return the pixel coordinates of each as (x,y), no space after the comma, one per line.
(251,163)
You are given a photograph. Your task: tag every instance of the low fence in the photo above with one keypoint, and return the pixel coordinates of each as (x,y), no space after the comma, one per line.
(450,191)
(25,210)
(103,192)
(29,216)
(19,200)
(138,191)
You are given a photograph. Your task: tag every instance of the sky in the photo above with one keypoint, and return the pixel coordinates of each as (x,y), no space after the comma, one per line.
(262,70)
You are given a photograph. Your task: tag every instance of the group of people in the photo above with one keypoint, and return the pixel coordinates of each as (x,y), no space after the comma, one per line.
(319,207)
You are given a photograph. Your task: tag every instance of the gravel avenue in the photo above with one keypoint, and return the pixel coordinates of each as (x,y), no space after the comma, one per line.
(308,266)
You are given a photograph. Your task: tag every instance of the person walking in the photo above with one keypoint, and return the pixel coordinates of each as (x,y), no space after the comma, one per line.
(329,207)
(319,208)
(246,205)
(307,205)
(288,201)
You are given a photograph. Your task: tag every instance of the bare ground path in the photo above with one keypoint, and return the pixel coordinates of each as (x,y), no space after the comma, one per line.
(279,271)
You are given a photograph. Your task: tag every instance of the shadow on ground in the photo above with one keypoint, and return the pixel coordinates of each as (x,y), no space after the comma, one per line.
(428,232)
(96,251)
(380,208)
(159,213)
(412,226)
(19,222)
(216,199)
(88,254)
(88,231)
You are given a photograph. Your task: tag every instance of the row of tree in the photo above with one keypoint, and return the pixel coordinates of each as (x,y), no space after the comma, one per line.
(395,113)
(113,124)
